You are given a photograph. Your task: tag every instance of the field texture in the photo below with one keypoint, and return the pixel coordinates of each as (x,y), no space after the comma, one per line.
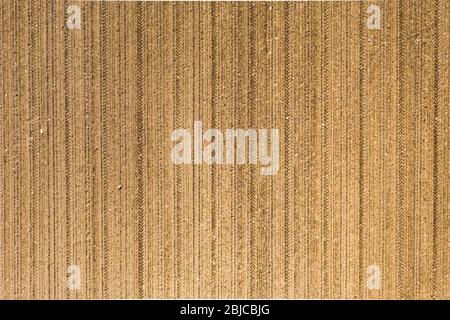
(88,187)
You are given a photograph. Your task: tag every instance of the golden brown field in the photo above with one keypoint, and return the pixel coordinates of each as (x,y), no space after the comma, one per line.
(87,180)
